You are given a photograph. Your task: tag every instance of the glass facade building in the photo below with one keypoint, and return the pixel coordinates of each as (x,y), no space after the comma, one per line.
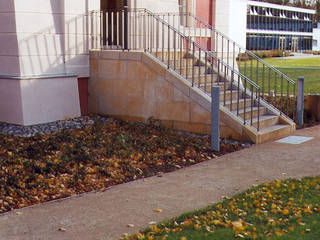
(270,27)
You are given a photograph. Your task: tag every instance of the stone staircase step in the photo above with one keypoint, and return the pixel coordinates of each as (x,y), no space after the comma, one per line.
(204,78)
(274,132)
(265,121)
(165,54)
(222,85)
(185,62)
(189,70)
(228,94)
(235,103)
(255,111)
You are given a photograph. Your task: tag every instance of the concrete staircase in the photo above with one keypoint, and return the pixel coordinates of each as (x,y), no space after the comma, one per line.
(263,122)
(245,111)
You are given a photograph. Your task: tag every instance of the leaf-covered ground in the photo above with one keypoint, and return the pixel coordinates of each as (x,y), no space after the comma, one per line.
(287,210)
(47,167)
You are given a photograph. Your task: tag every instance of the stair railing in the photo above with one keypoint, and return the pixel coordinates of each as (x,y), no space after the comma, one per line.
(276,87)
(202,68)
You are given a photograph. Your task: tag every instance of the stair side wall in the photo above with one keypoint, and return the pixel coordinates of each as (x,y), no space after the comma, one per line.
(136,86)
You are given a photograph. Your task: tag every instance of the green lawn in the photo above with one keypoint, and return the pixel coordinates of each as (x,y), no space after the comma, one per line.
(282,210)
(301,62)
(309,68)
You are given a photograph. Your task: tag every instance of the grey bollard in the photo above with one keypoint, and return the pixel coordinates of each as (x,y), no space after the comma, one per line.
(300,101)
(215,118)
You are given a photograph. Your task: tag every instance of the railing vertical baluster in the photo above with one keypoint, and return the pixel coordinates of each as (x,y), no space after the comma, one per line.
(101,29)
(112,29)
(222,46)
(225,79)
(281,94)
(168,46)
(193,62)
(188,48)
(258,124)
(263,80)
(199,67)
(295,102)
(151,34)
(162,42)
(157,41)
(245,65)
(211,72)
(118,26)
(144,32)
(233,56)
(181,54)
(245,101)
(269,84)
(175,49)
(217,44)
(288,99)
(228,54)
(257,73)
(238,98)
(218,74)
(135,39)
(252,104)
(275,87)
(231,91)
(123,30)
(205,71)
(141,31)
(251,68)
(107,29)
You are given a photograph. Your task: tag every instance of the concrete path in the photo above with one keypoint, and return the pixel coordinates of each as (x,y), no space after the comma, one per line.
(300,56)
(105,215)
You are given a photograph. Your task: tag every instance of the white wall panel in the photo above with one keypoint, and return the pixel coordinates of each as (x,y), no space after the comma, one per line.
(10,101)
(42,33)
(47,100)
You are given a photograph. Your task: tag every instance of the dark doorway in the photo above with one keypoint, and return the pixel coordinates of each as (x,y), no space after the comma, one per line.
(115,18)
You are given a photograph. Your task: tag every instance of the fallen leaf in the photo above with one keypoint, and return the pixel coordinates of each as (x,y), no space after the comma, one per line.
(130,225)
(157,210)
(62,229)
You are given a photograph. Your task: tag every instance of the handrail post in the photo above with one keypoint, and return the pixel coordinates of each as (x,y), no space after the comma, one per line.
(215,118)
(300,102)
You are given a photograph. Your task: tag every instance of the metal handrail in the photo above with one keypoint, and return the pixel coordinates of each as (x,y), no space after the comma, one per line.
(148,32)
(229,39)
(286,83)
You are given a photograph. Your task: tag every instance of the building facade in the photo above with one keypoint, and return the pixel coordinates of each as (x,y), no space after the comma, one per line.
(44,45)
(316,38)
(271,26)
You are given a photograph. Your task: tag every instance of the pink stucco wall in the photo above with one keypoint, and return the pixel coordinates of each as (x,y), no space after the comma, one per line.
(204,11)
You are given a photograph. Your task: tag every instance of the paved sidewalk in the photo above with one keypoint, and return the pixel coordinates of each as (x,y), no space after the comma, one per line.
(105,215)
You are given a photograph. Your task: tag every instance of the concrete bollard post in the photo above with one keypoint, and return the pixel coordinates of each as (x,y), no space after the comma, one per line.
(215,118)
(300,101)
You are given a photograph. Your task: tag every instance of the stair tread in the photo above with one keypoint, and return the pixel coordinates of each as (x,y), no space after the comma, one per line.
(202,75)
(263,118)
(274,128)
(248,110)
(233,91)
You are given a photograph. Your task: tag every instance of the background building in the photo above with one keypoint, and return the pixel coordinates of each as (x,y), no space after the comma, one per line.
(271,26)
(316,38)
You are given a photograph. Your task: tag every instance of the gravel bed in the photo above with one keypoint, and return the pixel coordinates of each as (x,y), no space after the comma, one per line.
(49,128)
